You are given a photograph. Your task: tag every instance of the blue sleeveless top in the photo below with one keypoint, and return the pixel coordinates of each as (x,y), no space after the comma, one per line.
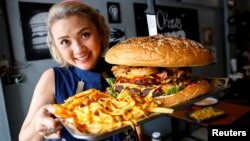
(66,81)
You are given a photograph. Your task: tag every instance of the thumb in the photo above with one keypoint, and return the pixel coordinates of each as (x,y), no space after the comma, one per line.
(50,108)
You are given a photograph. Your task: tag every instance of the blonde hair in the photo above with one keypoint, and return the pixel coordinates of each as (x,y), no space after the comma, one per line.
(65,9)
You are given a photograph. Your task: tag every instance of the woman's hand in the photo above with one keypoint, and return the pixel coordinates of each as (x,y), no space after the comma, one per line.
(47,124)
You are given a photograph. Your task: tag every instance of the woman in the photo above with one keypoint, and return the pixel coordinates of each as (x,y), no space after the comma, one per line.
(77,37)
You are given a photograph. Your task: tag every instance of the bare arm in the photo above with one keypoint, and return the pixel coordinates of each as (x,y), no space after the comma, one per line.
(39,116)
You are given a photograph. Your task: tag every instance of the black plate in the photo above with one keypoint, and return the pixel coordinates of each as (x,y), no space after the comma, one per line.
(205,114)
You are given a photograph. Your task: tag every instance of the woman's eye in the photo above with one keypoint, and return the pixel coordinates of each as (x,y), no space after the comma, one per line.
(85,35)
(64,42)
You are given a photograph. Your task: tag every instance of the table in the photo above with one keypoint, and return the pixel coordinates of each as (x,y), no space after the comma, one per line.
(234,112)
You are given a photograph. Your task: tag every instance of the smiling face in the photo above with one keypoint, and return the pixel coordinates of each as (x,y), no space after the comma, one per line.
(77,41)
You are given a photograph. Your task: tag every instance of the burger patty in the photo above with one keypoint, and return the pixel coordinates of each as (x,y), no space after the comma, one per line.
(155,90)
(157,82)
(143,93)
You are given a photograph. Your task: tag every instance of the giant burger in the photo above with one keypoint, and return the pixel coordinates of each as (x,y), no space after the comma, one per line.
(159,66)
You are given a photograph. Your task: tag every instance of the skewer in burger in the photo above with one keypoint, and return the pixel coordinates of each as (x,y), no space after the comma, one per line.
(159,66)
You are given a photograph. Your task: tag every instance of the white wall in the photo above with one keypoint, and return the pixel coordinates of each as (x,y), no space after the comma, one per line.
(18,97)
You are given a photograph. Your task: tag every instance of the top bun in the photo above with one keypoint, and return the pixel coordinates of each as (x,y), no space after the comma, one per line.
(159,51)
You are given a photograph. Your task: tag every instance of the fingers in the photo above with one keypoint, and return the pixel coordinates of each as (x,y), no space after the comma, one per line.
(50,108)
(53,135)
(46,124)
(46,129)
(49,121)
(139,132)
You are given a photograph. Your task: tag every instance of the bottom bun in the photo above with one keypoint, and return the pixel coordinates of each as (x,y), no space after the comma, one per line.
(190,92)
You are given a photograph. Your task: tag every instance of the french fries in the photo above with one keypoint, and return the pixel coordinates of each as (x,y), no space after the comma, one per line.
(206,113)
(96,112)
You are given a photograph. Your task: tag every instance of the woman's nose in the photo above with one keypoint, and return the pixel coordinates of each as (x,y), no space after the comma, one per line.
(78,46)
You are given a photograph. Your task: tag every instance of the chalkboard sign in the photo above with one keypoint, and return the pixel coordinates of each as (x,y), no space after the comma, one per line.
(176,21)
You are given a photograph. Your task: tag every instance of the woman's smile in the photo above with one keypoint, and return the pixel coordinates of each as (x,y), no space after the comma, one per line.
(83,58)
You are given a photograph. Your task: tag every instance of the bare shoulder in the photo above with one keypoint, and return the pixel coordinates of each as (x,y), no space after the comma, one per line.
(46,82)
(47,76)
(48,73)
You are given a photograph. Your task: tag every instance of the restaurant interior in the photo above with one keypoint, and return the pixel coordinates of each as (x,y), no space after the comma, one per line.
(221,25)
